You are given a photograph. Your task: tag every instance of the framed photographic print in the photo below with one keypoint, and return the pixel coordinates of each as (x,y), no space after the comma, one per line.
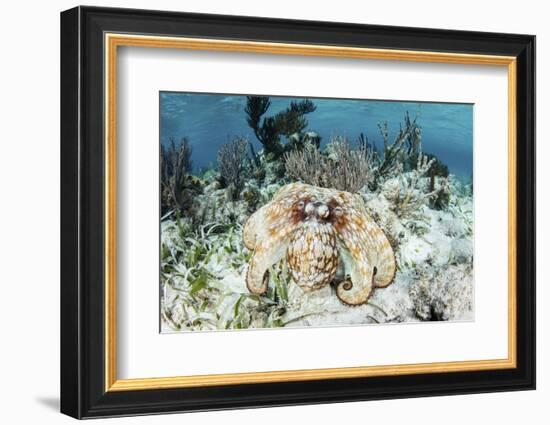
(261,212)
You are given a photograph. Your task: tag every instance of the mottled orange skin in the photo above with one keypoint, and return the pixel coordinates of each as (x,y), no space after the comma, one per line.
(315,229)
(312,255)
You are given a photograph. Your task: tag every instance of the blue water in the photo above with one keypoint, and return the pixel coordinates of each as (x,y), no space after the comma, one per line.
(209,120)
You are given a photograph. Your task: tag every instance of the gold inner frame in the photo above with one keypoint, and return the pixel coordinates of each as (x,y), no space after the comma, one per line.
(113,41)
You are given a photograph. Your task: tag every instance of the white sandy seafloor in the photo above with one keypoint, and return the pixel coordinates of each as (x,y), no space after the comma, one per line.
(203,272)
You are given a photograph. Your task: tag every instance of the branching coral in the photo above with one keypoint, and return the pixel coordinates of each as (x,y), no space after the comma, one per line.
(300,140)
(439,183)
(403,151)
(404,191)
(256,107)
(175,163)
(307,165)
(403,164)
(232,160)
(292,120)
(354,167)
(341,168)
(268,130)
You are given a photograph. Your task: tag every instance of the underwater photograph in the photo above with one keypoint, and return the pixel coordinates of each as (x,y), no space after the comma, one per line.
(281,212)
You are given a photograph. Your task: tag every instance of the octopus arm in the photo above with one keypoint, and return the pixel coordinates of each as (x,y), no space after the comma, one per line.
(268,233)
(371,261)
(249,230)
(356,289)
(381,252)
(385,264)
(257,276)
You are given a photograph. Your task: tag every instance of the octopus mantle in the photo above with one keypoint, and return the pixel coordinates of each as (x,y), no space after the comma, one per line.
(326,237)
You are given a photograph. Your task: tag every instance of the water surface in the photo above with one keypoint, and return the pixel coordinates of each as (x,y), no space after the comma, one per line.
(209,120)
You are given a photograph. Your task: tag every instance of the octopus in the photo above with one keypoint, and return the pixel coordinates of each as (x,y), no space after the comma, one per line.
(326,237)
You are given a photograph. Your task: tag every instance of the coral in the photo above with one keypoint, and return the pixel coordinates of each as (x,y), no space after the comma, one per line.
(268,130)
(256,107)
(402,154)
(175,163)
(292,120)
(438,168)
(405,192)
(438,174)
(441,193)
(251,195)
(256,166)
(307,165)
(353,167)
(232,159)
(341,167)
(298,141)
(266,133)
(304,223)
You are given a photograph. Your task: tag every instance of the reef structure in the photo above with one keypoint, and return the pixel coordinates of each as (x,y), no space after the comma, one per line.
(326,237)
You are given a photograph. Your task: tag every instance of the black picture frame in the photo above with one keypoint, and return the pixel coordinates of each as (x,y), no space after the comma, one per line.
(83,392)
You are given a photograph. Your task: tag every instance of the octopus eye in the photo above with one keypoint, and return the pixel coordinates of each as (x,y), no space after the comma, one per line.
(323,211)
(309,209)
